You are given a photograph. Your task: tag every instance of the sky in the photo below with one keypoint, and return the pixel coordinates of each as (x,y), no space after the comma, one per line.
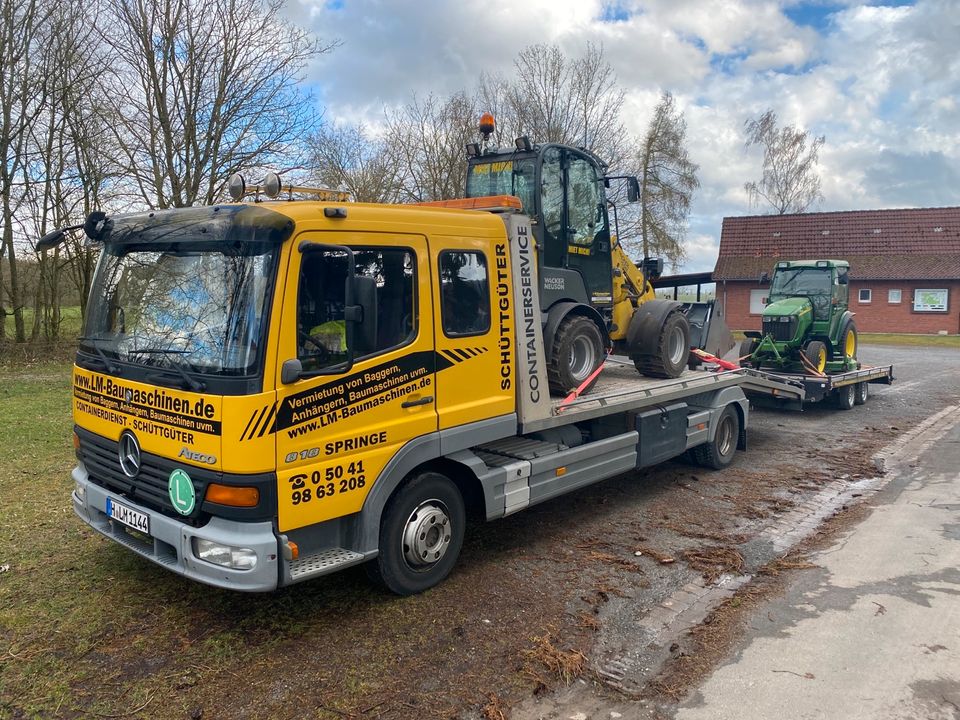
(880,80)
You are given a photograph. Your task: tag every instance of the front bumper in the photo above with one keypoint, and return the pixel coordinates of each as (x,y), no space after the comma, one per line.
(171,541)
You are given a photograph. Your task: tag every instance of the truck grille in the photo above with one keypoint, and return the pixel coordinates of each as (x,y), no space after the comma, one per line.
(782,330)
(150,487)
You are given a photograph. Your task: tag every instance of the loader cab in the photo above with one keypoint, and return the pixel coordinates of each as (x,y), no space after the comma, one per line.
(562,190)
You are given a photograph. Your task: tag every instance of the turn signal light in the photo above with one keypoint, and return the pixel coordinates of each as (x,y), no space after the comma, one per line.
(76,444)
(232,495)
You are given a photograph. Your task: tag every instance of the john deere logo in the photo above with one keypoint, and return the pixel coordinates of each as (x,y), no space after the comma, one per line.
(182,496)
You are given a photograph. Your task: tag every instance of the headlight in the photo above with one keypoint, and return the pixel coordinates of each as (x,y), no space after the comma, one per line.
(80,490)
(237,558)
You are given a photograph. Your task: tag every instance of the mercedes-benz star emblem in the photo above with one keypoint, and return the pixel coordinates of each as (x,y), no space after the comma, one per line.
(129,454)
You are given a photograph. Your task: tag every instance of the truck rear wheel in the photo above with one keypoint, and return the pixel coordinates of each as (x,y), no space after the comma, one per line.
(669,358)
(421,534)
(719,452)
(576,351)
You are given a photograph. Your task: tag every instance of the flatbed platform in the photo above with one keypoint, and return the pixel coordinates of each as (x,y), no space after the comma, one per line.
(815,388)
(621,388)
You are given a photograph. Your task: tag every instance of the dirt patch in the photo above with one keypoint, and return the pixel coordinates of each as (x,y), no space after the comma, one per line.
(706,645)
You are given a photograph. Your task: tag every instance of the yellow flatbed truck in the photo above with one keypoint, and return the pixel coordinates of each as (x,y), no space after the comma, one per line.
(269,392)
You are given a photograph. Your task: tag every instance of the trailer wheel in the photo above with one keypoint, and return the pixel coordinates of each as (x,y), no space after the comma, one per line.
(576,351)
(421,534)
(861,394)
(845,396)
(719,452)
(669,358)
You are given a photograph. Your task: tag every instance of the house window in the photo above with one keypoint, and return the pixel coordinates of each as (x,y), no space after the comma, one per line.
(929,300)
(757,298)
(893,297)
(866,295)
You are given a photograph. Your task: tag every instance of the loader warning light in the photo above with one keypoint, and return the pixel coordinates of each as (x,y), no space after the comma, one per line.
(487,125)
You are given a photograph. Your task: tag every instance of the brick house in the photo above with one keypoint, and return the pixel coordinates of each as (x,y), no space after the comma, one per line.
(904,264)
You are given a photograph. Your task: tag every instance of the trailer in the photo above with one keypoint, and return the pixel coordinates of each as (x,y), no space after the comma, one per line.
(843,389)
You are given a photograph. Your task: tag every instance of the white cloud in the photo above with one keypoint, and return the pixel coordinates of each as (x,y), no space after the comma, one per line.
(881,83)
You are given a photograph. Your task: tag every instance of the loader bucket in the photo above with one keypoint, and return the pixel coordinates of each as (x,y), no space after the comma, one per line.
(708,331)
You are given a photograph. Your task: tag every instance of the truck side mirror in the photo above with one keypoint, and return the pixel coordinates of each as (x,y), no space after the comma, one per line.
(290,371)
(363,313)
(633,189)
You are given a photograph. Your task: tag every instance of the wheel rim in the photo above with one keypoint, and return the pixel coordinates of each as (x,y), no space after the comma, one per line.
(426,535)
(725,438)
(676,349)
(821,359)
(581,357)
(850,345)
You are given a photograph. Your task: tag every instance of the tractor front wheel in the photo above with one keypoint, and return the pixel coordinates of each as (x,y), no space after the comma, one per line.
(816,354)
(747,348)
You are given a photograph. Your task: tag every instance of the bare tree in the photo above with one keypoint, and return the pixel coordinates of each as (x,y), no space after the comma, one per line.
(23,97)
(668,179)
(429,136)
(348,158)
(789,182)
(205,87)
(554,98)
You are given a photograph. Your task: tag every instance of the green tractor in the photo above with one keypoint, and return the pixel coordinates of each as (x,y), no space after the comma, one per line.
(807,326)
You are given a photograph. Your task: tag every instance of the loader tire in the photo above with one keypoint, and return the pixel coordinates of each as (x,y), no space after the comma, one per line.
(669,358)
(576,351)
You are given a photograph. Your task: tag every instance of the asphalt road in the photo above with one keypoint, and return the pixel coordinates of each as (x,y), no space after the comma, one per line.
(816,627)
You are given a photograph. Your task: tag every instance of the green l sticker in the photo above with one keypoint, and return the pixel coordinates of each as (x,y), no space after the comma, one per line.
(182,495)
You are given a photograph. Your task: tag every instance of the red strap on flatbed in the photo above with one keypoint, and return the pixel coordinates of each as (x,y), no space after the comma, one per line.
(583,386)
(707,357)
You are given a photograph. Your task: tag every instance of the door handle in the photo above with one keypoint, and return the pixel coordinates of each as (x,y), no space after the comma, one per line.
(425,400)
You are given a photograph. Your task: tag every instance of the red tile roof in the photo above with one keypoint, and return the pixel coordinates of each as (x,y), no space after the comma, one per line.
(915,244)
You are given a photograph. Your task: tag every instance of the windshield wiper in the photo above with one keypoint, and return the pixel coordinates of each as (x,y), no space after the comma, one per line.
(192,384)
(107,365)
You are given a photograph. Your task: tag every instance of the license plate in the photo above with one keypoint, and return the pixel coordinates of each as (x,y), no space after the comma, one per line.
(128,516)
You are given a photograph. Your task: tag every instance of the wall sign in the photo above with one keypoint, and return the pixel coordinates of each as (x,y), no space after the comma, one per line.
(930,300)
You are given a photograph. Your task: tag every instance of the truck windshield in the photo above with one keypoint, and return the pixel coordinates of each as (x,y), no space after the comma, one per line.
(503,177)
(801,281)
(189,292)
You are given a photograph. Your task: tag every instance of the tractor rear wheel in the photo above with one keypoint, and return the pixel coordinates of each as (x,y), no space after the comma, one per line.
(576,351)
(847,347)
(669,358)
(816,353)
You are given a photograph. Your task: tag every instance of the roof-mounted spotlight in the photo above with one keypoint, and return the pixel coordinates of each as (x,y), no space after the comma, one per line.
(272,185)
(473,150)
(523,144)
(236,187)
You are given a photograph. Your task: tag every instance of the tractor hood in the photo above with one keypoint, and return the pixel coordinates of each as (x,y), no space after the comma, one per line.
(788,306)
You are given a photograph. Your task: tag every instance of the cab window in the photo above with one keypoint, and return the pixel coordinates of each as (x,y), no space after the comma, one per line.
(584,204)
(321,298)
(464,294)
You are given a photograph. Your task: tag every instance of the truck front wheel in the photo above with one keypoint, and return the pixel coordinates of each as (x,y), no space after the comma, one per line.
(421,534)
(719,452)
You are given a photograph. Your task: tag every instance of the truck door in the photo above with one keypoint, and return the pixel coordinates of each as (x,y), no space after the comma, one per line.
(473,329)
(338,426)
